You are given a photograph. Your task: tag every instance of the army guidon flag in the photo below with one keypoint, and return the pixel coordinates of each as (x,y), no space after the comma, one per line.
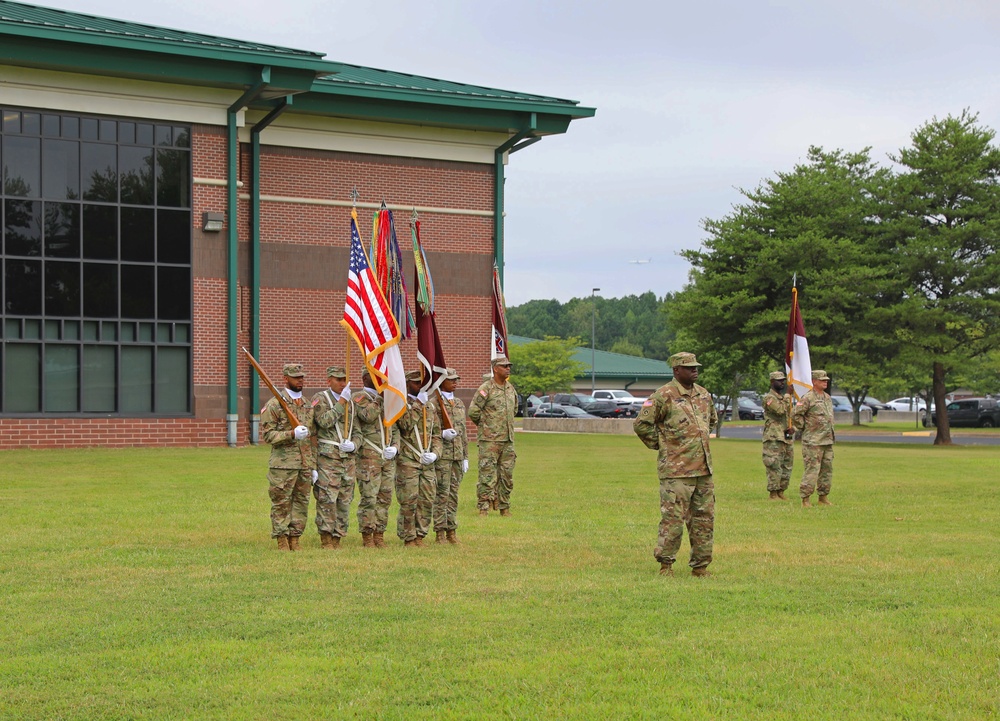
(499,344)
(797,365)
(369,320)
(429,351)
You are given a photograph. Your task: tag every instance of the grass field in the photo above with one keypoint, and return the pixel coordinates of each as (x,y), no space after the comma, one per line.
(142,585)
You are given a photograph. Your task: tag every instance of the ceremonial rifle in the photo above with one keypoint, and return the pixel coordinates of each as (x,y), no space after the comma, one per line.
(293,419)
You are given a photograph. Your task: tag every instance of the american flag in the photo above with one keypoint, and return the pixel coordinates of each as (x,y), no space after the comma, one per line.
(370,322)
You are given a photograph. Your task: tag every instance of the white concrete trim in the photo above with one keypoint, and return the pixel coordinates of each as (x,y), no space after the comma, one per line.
(215,182)
(369,206)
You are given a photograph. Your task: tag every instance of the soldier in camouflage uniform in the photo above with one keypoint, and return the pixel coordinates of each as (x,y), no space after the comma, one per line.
(814,419)
(292,467)
(376,466)
(778,437)
(492,410)
(452,464)
(416,479)
(676,421)
(337,443)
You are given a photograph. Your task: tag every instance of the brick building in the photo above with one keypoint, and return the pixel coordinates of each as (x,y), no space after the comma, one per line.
(170,197)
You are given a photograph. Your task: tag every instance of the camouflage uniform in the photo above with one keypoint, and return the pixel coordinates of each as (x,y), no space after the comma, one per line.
(334,490)
(449,468)
(814,418)
(290,468)
(376,475)
(416,484)
(778,450)
(676,422)
(492,410)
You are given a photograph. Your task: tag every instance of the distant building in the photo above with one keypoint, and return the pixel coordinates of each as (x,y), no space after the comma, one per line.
(169,197)
(614,371)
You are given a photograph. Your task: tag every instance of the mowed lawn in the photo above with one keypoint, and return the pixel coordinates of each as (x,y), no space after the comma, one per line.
(143,584)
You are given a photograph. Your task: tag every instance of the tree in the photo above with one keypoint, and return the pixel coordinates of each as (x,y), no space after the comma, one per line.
(948,231)
(823,221)
(545,366)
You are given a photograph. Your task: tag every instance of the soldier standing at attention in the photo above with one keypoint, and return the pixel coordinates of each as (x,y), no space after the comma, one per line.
(452,464)
(334,489)
(814,419)
(292,467)
(416,480)
(778,437)
(676,421)
(376,467)
(492,410)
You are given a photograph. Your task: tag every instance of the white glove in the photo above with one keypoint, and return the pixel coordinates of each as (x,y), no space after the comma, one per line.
(345,395)
(315,476)
(301,433)
(347,446)
(422,396)
(449,434)
(389,452)
(465,466)
(428,458)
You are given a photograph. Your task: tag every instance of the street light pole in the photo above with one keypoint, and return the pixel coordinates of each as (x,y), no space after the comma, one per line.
(593,347)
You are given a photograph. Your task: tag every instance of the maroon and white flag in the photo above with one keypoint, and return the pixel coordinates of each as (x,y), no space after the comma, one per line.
(499,344)
(797,365)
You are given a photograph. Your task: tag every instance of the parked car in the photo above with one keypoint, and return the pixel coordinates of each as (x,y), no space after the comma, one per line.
(981,412)
(875,404)
(547,410)
(589,404)
(904,404)
(623,398)
(748,410)
(531,404)
(842,404)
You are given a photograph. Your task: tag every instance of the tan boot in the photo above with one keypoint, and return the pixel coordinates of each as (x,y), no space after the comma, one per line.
(293,543)
(335,543)
(495,504)
(700,572)
(806,503)
(283,543)
(442,537)
(378,539)
(484,512)
(774,496)
(505,512)
(452,538)
(326,540)
(410,544)
(824,502)
(781,495)
(367,540)
(419,542)
(666,569)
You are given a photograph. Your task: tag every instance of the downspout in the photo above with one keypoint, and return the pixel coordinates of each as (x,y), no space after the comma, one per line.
(232,275)
(630,383)
(498,181)
(255,258)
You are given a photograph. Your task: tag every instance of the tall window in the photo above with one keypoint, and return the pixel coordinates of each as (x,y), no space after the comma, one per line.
(96,256)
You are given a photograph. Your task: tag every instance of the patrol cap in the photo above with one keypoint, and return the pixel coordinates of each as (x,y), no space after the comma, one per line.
(293,370)
(777,376)
(450,374)
(820,375)
(500,361)
(336,372)
(683,359)
(416,375)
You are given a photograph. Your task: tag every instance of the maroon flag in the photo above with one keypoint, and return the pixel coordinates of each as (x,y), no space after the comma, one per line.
(429,351)
(499,345)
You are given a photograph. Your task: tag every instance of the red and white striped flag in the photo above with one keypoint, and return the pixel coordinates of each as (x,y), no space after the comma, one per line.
(369,320)
(797,365)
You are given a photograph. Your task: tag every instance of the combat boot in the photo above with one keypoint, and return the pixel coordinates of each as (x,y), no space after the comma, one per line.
(378,539)
(824,502)
(283,543)
(452,538)
(701,572)
(505,512)
(774,496)
(806,503)
(484,512)
(335,543)
(367,540)
(781,495)
(326,540)
(419,542)
(666,569)
(442,537)
(293,543)
(410,544)
(495,504)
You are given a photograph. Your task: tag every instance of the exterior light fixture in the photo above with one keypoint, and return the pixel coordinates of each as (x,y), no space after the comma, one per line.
(212,222)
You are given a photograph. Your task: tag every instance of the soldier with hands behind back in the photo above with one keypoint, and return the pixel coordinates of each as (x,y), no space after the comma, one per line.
(492,410)
(676,422)
(292,467)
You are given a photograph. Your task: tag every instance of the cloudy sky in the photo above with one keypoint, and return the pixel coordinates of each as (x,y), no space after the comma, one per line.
(694,101)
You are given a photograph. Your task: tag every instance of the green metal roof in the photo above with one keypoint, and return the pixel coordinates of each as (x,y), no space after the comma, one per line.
(612,365)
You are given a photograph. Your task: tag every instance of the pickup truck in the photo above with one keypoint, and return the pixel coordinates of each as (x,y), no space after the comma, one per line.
(981,412)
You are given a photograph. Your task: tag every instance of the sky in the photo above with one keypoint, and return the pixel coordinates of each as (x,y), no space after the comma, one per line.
(694,100)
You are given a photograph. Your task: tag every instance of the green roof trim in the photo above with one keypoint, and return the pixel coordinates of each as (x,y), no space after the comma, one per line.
(612,365)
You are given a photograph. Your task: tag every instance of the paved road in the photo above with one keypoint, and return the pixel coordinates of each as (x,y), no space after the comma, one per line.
(965,439)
